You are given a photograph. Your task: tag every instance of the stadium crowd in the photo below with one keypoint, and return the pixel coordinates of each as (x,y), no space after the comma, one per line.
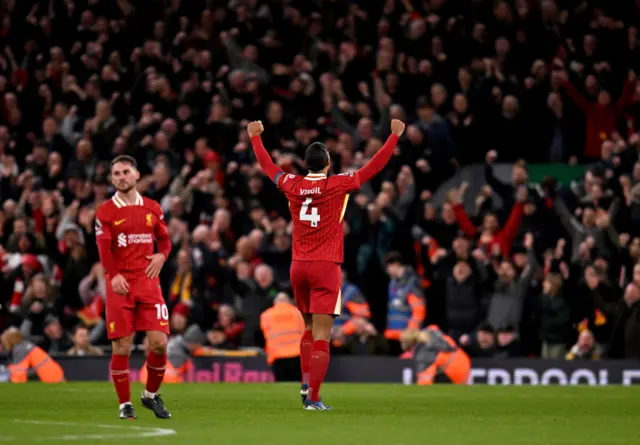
(545,270)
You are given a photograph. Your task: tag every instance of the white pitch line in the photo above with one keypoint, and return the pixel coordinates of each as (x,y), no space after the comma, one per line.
(67,389)
(140,431)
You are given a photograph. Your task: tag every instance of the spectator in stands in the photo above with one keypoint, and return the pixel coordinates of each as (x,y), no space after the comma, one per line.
(508,342)
(364,339)
(56,340)
(629,324)
(260,293)
(510,289)
(506,192)
(227,332)
(354,305)
(463,296)
(81,345)
(490,237)
(555,317)
(406,307)
(585,349)
(481,343)
(38,302)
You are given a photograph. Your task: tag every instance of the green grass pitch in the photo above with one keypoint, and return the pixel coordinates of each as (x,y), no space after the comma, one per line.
(271,414)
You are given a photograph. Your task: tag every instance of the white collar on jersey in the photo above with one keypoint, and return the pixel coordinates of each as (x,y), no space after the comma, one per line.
(119,202)
(315,176)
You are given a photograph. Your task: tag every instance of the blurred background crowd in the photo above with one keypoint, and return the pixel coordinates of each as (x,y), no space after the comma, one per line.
(513,268)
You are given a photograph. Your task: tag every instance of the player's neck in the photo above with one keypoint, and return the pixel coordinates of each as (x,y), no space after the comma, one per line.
(129,198)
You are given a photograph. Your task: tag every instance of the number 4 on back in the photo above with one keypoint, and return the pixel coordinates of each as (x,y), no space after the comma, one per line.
(311,216)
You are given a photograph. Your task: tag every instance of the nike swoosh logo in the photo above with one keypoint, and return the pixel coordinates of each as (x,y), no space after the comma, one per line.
(118,222)
(164,323)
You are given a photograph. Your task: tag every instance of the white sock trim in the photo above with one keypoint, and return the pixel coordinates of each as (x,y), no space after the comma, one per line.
(122,405)
(148,395)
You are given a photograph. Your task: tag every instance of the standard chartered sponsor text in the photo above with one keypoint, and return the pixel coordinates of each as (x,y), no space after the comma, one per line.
(139,238)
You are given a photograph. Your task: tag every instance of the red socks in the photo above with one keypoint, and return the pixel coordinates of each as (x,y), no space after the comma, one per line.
(119,368)
(156,365)
(319,363)
(306,343)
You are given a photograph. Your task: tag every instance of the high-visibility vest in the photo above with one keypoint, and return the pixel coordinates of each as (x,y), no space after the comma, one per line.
(29,356)
(282,326)
(442,354)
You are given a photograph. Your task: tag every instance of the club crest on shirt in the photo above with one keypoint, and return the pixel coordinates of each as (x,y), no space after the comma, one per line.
(149,221)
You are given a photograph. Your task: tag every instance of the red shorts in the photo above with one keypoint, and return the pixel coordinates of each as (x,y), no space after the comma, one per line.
(142,309)
(317,286)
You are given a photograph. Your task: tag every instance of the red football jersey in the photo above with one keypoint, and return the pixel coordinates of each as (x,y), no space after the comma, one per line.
(317,206)
(132,230)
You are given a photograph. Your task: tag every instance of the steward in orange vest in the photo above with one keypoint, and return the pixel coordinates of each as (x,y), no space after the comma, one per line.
(283,326)
(29,360)
(436,354)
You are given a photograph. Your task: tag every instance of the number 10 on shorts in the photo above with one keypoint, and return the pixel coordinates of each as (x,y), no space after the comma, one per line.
(162,312)
(312,216)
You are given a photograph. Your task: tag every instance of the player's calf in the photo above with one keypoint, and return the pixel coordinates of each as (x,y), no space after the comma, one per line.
(156,362)
(156,366)
(119,370)
(306,344)
(320,354)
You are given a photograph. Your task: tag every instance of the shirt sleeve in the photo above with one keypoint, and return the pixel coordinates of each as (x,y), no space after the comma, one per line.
(349,182)
(270,169)
(103,240)
(162,233)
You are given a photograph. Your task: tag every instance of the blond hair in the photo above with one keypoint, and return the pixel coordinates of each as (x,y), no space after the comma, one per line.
(411,336)
(10,338)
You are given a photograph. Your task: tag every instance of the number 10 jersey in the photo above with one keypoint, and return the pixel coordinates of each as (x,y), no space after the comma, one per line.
(317,204)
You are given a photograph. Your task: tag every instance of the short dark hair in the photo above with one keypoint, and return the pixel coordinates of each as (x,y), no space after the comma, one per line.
(125,159)
(79,326)
(393,257)
(316,157)
(485,326)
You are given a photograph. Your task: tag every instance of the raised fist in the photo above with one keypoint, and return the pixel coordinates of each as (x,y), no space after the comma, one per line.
(255,128)
(397,127)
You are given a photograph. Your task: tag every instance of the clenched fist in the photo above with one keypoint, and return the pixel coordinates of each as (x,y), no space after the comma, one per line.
(255,128)
(397,127)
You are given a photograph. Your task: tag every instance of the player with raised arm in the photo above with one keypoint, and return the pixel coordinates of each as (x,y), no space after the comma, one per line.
(126,226)
(317,203)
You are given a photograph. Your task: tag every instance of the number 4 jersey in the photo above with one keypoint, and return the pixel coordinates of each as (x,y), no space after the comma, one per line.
(317,204)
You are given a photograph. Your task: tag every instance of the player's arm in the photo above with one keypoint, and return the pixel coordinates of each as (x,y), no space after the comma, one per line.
(379,161)
(418,309)
(103,240)
(161,233)
(255,129)
(162,236)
